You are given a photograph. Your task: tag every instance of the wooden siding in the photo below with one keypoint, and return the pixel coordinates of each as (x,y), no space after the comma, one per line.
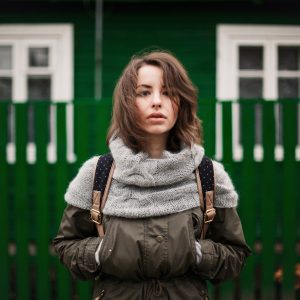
(187,29)
(82,18)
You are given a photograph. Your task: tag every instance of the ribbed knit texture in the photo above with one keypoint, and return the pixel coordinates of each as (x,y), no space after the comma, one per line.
(143,186)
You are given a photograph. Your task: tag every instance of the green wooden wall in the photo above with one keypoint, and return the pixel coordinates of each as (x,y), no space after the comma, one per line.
(188,29)
(78,14)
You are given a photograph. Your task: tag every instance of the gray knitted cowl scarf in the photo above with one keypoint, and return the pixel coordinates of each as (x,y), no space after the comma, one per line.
(143,186)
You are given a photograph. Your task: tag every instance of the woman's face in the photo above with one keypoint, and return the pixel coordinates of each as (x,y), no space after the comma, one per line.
(157,112)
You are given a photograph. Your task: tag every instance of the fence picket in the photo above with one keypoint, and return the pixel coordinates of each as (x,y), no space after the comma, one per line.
(289,199)
(42,235)
(61,181)
(226,290)
(22,204)
(269,199)
(4,210)
(82,115)
(207,113)
(248,203)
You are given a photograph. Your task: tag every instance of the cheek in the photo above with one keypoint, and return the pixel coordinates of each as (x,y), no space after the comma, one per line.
(140,106)
(175,111)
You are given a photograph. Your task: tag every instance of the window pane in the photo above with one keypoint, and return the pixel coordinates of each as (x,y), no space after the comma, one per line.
(5,88)
(288,87)
(5,57)
(288,58)
(39,87)
(250,88)
(38,57)
(250,58)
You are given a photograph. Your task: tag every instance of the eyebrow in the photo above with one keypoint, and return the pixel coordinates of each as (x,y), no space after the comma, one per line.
(147,86)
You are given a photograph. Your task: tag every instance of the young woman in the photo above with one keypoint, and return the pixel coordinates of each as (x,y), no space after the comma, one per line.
(152,218)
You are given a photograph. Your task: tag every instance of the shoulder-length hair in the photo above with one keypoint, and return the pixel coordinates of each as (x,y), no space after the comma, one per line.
(187,128)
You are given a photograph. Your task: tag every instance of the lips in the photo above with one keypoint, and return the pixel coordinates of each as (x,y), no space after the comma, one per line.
(157,116)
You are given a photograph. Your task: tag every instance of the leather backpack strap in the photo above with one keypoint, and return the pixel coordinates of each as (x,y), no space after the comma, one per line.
(101,184)
(206,189)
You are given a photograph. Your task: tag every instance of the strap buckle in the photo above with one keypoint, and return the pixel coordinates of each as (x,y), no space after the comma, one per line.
(96,216)
(209,215)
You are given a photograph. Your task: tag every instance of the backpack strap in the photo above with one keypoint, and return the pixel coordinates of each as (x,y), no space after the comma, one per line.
(101,184)
(206,189)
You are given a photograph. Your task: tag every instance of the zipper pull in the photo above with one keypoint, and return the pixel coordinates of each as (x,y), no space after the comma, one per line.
(100,296)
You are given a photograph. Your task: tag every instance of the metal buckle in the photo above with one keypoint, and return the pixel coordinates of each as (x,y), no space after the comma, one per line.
(206,219)
(99,217)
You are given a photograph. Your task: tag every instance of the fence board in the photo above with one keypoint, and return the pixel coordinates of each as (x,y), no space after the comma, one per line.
(61,181)
(207,112)
(289,198)
(4,211)
(269,200)
(42,235)
(82,115)
(227,132)
(101,114)
(248,203)
(81,128)
(22,205)
(226,289)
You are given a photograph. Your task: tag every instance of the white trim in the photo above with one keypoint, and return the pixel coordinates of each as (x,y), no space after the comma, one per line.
(270,37)
(59,39)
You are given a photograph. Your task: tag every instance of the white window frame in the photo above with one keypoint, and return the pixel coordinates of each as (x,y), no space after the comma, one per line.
(59,38)
(229,38)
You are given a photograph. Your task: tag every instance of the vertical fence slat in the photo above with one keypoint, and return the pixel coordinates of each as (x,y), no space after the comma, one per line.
(247,203)
(4,274)
(267,178)
(289,199)
(207,112)
(22,205)
(61,180)
(81,128)
(103,113)
(227,131)
(42,234)
(226,289)
(84,140)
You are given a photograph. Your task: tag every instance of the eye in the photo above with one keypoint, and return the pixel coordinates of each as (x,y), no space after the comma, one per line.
(165,93)
(143,93)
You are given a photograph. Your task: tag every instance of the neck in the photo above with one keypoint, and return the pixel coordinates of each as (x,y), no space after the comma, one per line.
(156,145)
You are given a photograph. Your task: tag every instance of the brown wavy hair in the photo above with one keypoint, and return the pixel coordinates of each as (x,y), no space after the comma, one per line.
(187,129)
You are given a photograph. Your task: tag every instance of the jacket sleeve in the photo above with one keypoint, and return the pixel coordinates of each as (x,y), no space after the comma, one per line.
(224,249)
(77,242)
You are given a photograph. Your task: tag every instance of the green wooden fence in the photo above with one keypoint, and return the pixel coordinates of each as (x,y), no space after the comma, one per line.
(32,203)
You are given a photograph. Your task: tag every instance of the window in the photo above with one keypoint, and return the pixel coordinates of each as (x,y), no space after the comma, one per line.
(257,62)
(36,64)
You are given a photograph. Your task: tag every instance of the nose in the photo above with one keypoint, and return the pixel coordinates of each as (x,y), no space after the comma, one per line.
(156,101)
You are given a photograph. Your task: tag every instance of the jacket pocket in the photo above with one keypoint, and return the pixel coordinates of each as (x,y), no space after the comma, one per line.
(197,226)
(104,250)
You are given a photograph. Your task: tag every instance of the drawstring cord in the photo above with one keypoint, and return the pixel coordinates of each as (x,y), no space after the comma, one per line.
(155,287)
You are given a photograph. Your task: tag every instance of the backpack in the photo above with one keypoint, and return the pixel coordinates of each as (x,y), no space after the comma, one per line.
(103,176)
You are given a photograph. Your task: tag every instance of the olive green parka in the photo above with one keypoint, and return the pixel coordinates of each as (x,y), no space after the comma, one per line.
(152,258)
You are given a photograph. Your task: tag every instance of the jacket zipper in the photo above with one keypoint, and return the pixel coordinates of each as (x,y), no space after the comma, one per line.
(100,296)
